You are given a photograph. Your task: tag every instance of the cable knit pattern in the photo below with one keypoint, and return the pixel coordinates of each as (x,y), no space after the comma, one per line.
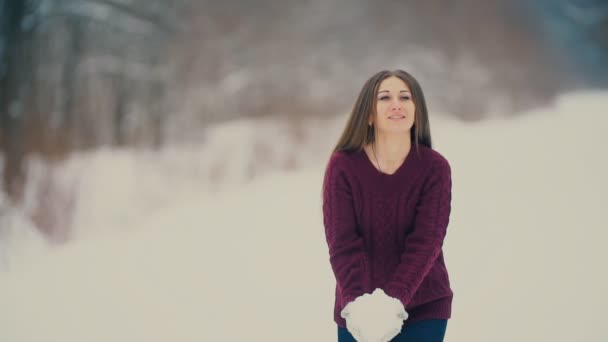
(387,231)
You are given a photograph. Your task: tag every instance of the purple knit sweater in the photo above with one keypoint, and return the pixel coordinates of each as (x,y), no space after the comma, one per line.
(387,231)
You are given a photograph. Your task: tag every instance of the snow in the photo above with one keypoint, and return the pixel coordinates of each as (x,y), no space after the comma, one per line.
(164,249)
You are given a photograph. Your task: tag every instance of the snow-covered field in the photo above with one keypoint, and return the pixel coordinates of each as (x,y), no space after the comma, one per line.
(216,243)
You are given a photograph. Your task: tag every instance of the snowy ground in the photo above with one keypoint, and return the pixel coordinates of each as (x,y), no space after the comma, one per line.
(192,260)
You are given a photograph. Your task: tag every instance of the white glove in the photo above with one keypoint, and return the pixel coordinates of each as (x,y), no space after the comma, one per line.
(374,318)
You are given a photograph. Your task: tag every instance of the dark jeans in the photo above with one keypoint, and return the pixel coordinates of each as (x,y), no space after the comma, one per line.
(431,330)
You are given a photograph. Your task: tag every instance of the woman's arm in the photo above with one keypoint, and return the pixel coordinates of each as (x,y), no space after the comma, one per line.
(346,248)
(424,243)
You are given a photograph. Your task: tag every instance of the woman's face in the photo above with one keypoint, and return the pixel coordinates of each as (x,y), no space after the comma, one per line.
(395,107)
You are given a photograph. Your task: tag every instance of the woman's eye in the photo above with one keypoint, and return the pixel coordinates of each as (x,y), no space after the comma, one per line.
(384,98)
(405,98)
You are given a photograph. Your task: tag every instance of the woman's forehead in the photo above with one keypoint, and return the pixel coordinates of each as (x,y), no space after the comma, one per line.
(392,83)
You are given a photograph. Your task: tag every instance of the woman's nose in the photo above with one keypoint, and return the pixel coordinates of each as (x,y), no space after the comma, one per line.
(396,105)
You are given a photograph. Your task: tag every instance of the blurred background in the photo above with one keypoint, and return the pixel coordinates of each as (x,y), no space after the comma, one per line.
(161,162)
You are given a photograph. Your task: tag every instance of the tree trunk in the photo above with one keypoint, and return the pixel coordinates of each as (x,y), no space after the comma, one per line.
(15,63)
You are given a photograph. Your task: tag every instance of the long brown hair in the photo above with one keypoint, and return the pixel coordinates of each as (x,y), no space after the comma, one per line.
(358,132)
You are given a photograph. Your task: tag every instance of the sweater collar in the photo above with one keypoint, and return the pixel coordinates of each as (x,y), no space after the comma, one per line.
(412,157)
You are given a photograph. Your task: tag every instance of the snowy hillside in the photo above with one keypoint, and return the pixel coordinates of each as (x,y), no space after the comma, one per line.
(166,249)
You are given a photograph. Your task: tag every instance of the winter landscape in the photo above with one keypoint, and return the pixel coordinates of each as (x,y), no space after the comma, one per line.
(161,253)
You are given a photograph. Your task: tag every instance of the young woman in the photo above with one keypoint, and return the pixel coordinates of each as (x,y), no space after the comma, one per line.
(386,207)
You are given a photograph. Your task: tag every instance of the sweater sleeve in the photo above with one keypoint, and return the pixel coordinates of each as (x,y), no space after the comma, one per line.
(423,245)
(346,248)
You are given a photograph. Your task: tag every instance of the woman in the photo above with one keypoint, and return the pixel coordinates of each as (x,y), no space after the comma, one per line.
(386,207)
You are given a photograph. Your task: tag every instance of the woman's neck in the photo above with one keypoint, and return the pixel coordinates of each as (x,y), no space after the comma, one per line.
(391,150)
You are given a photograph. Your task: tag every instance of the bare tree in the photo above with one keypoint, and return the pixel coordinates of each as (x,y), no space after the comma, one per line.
(75,74)
(15,86)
